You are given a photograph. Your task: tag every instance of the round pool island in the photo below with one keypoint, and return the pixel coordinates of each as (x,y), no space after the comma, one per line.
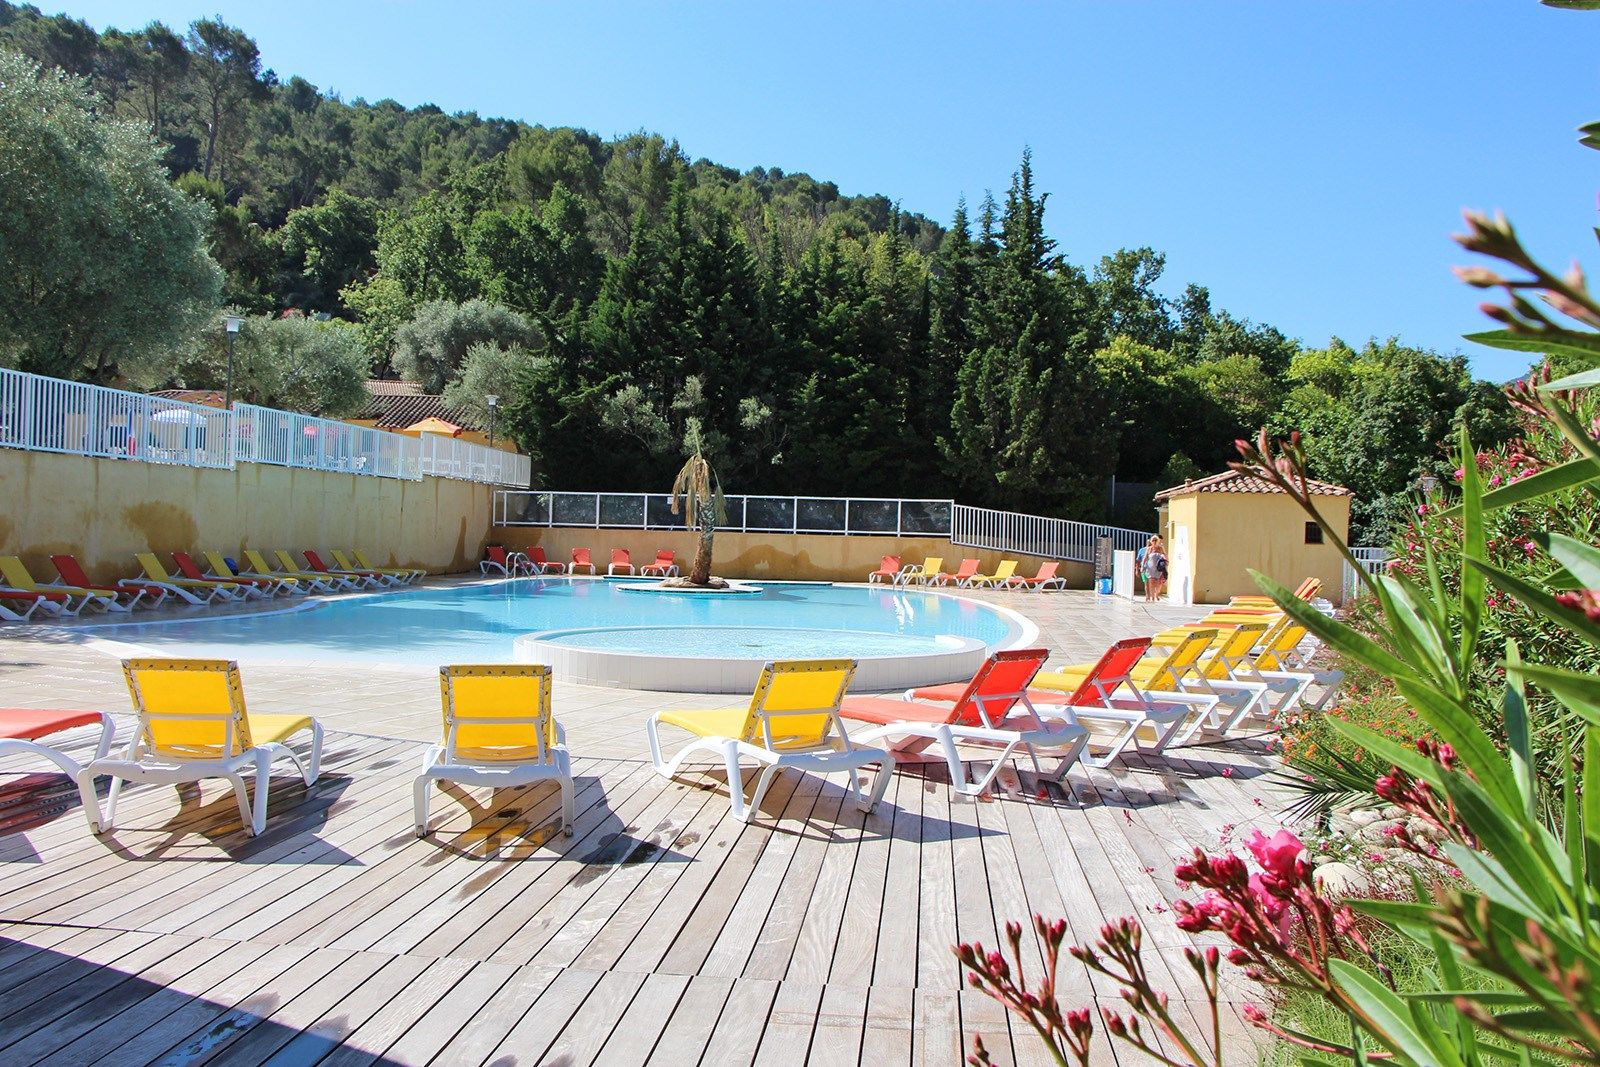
(728,659)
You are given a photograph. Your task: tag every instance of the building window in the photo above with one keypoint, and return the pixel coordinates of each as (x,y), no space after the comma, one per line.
(1313,534)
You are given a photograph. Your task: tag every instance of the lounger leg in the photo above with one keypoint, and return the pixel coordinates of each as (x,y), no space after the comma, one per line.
(110,818)
(90,801)
(1114,747)
(881,785)
(736,784)
(311,774)
(419,793)
(952,760)
(761,790)
(257,816)
(568,802)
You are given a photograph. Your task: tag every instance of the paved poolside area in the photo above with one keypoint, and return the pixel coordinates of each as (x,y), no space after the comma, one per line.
(662,932)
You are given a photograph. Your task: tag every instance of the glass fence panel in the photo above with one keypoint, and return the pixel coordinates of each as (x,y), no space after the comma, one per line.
(658,513)
(821,516)
(621,509)
(874,516)
(925,517)
(769,513)
(572,509)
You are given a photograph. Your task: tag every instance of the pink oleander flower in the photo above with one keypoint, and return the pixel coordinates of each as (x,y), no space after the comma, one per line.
(1278,854)
(1584,600)
(1422,509)
(1461,474)
(1494,481)
(1529,548)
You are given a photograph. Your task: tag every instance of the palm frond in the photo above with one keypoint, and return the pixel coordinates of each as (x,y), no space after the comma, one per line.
(1327,785)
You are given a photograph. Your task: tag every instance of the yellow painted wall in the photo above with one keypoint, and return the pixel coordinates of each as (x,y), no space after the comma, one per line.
(1233,533)
(774,556)
(105,510)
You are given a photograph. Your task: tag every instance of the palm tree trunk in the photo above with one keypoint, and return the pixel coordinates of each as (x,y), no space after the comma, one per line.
(700,573)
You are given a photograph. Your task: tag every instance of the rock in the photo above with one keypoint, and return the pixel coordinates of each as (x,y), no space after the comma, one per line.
(1394,811)
(1342,879)
(1378,832)
(1364,817)
(1422,830)
(1320,858)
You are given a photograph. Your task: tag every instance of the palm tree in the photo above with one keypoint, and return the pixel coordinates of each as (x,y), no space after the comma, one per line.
(697,492)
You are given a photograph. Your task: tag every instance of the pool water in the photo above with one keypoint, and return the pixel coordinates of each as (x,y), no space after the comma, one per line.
(479,623)
(749,642)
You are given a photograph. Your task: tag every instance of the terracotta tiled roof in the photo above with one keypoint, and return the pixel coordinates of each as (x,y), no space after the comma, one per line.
(386,387)
(397,412)
(209,397)
(1239,482)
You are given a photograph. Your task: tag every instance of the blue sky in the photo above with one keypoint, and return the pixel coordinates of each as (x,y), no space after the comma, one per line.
(1307,162)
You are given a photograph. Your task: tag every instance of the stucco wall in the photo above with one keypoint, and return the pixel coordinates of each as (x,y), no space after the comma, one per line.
(105,510)
(776,556)
(1233,533)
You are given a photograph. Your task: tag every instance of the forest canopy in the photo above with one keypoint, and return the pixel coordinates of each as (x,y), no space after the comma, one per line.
(623,298)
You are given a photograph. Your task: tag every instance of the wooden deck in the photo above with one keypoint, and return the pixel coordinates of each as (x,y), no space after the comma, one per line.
(662,932)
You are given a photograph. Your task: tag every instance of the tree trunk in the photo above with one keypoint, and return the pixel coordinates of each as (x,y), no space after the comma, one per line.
(700,573)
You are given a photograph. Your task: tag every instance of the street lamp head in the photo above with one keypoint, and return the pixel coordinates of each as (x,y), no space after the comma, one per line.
(233,322)
(492,399)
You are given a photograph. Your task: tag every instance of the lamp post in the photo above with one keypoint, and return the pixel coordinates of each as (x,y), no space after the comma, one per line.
(232,322)
(494,404)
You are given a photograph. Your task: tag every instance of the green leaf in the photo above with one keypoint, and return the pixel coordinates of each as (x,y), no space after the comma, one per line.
(1583,690)
(1472,544)
(1581,561)
(1591,805)
(1335,635)
(1574,431)
(1567,343)
(1533,597)
(1569,475)
(1573,5)
(1519,737)
(1390,1017)
(1581,380)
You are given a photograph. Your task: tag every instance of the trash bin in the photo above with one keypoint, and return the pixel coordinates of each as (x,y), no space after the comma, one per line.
(1103,586)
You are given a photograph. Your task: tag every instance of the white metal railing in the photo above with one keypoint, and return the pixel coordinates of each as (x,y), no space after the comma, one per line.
(750,514)
(1036,535)
(1372,560)
(287,439)
(53,415)
(448,457)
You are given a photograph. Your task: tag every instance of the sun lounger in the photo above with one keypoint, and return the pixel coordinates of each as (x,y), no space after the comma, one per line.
(993,711)
(193,590)
(22,731)
(260,588)
(1045,579)
(17,576)
(792,722)
(580,558)
(391,575)
(221,568)
(665,565)
(72,573)
(193,725)
(927,574)
(1002,574)
(620,558)
(1169,676)
(542,565)
(1097,702)
(498,732)
(495,559)
(963,574)
(411,575)
(288,568)
(369,579)
(888,571)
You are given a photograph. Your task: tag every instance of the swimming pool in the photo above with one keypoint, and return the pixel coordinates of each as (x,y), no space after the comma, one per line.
(424,628)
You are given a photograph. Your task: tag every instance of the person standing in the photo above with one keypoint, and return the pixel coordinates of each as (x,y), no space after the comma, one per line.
(1153,568)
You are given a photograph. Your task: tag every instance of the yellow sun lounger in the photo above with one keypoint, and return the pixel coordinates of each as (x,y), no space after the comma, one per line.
(1172,674)
(1002,574)
(498,732)
(193,725)
(329,580)
(925,574)
(188,588)
(409,574)
(280,584)
(16,574)
(385,575)
(792,722)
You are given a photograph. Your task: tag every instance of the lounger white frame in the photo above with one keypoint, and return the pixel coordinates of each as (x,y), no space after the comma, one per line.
(136,765)
(444,763)
(838,752)
(15,746)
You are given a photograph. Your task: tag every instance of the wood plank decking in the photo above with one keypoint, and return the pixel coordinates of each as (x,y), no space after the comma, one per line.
(662,932)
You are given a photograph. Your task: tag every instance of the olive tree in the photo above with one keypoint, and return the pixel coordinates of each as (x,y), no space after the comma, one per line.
(103,264)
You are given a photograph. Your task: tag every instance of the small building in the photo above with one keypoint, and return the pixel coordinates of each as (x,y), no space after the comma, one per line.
(1219,529)
(400,407)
